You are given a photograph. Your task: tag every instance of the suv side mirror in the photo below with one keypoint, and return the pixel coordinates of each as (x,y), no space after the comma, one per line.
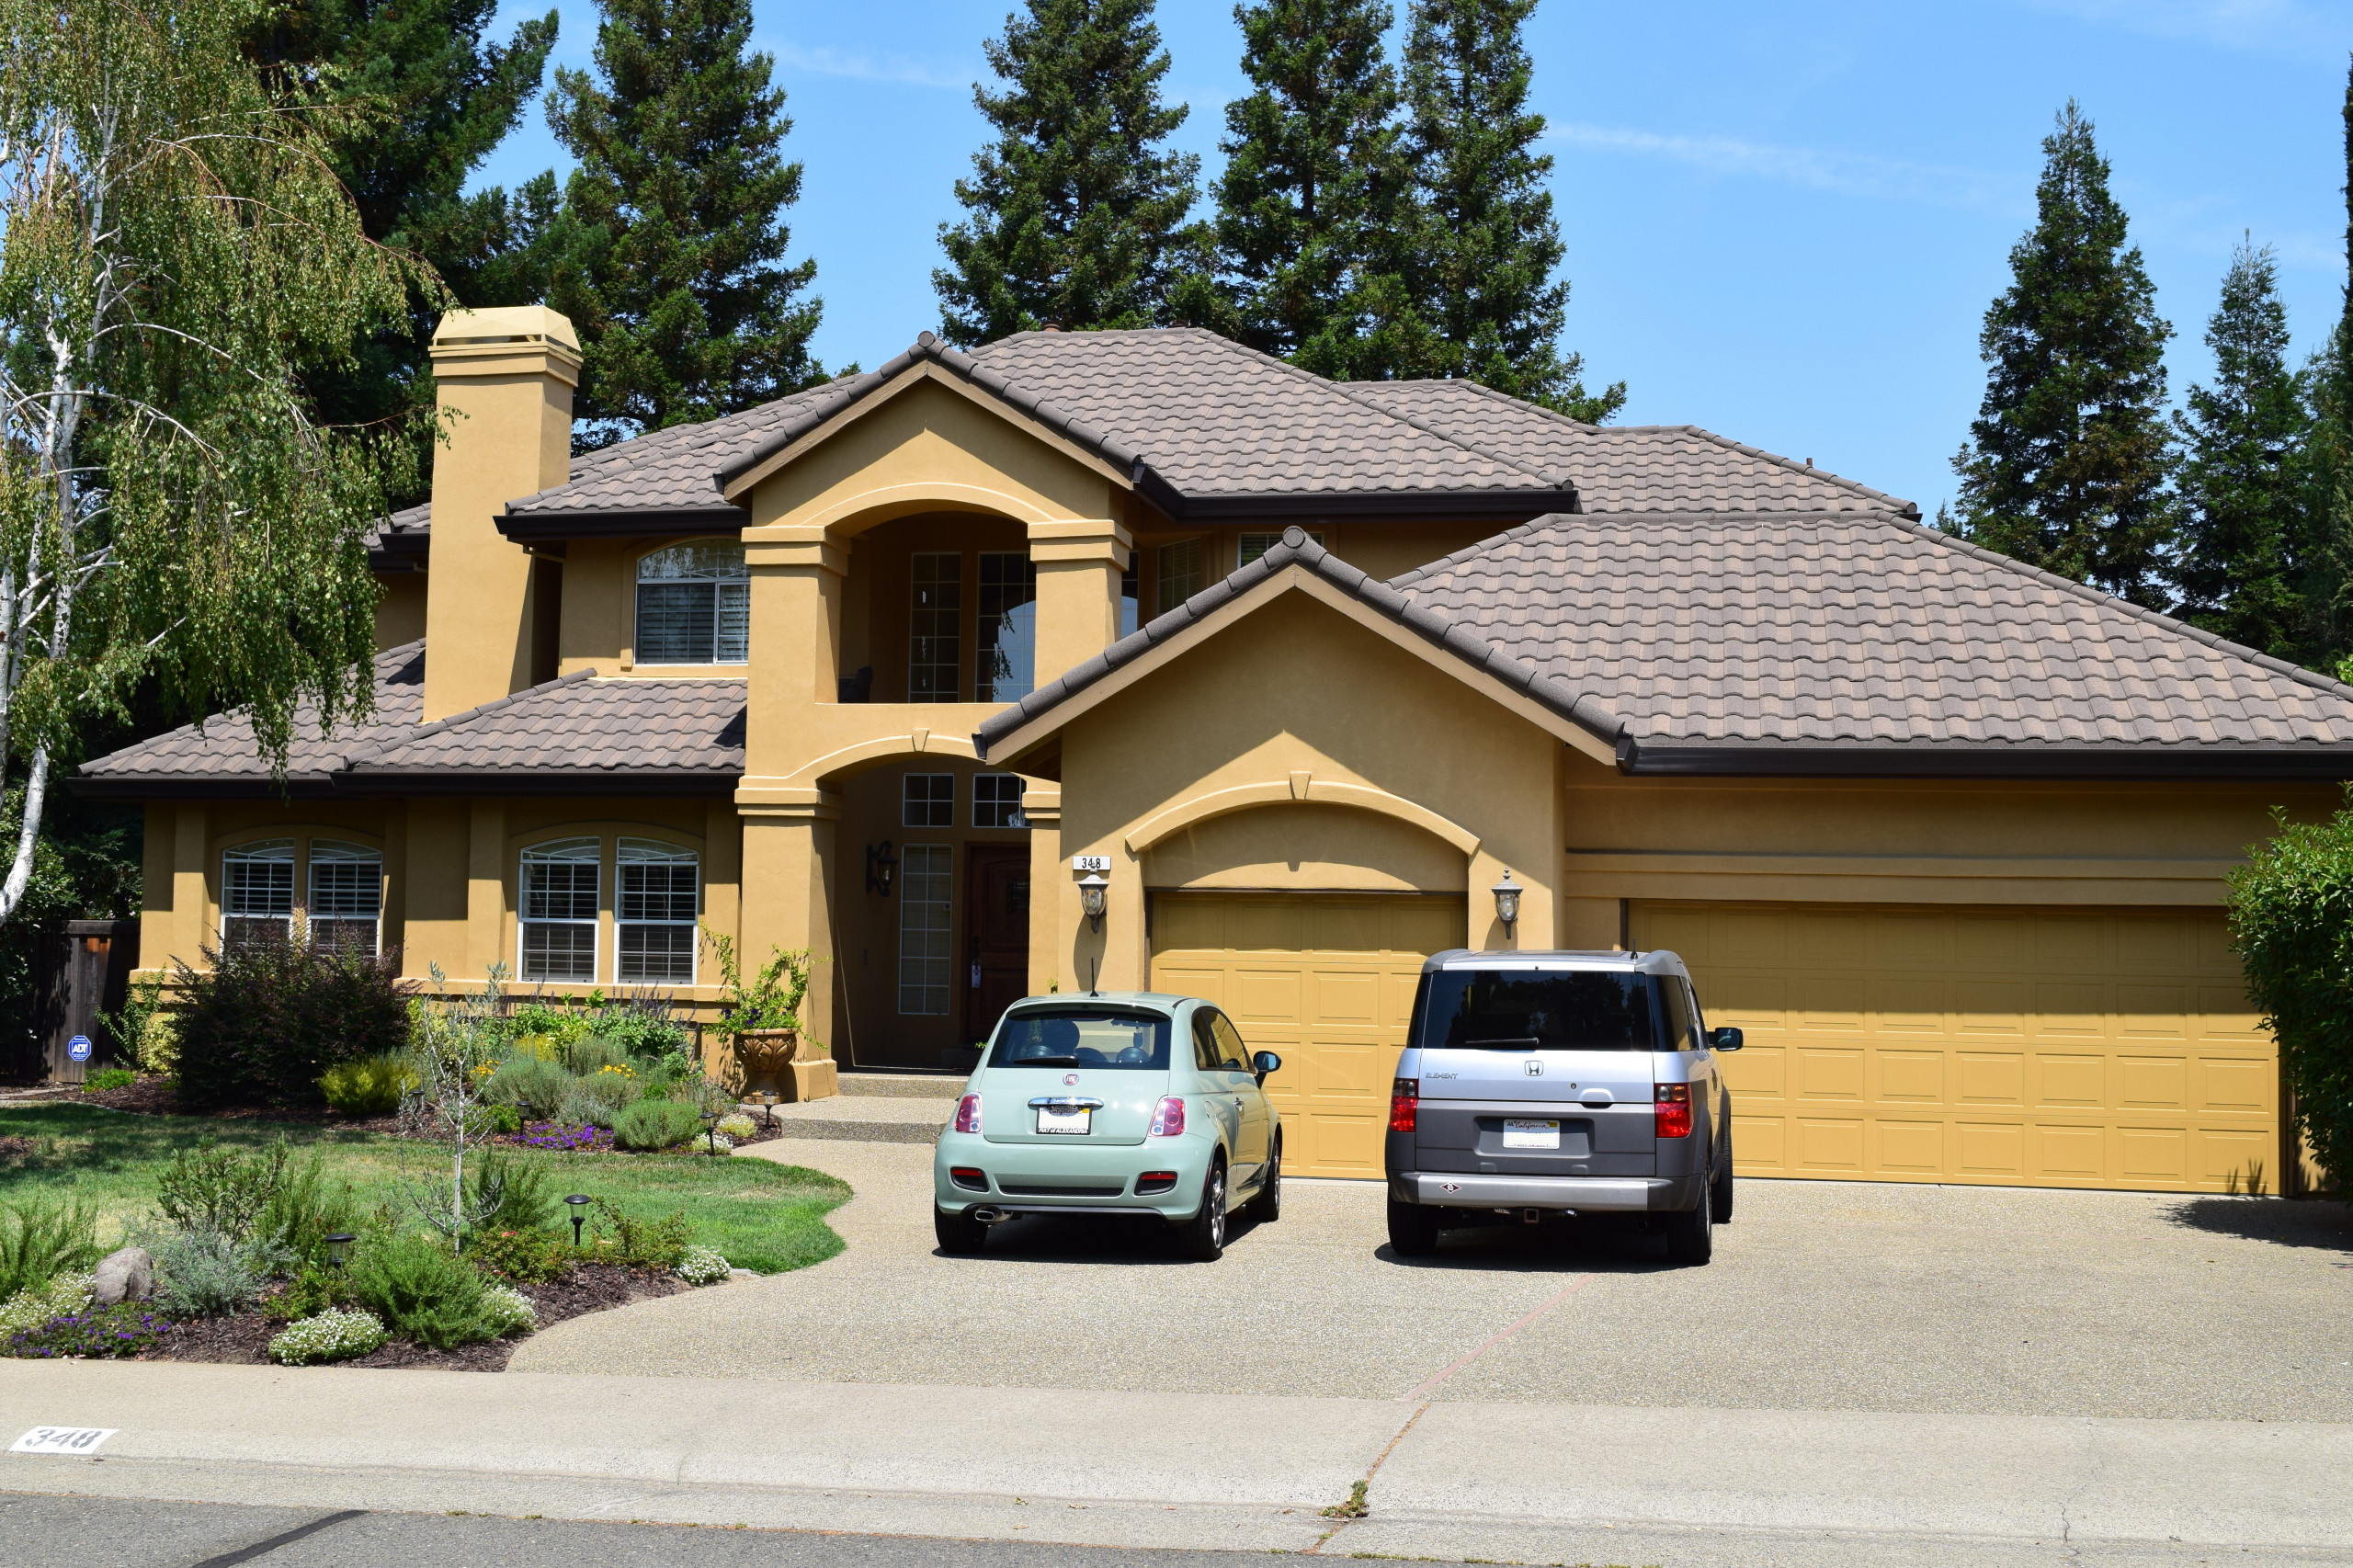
(1724,1040)
(1265,1061)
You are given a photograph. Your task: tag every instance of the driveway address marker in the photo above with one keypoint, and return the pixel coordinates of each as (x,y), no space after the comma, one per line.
(62,1440)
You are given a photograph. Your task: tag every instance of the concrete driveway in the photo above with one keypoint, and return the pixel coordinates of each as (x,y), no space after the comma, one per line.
(1822,1296)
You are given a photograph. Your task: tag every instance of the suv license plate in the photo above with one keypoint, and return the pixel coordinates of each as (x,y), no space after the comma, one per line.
(1072,1121)
(1521,1134)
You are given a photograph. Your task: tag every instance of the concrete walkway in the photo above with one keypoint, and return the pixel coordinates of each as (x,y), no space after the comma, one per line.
(1532,1484)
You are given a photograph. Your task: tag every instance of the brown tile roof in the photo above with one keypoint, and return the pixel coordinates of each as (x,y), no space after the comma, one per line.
(222,757)
(1823,642)
(637,736)
(1630,468)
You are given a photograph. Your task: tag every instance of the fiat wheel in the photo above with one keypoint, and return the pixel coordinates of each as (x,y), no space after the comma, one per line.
(1202,1237)
(1268,1207)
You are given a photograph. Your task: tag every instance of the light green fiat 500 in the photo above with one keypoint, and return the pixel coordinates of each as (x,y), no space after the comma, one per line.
(1126,1103)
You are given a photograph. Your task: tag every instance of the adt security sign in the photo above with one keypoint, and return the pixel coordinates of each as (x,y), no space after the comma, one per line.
(78,1047)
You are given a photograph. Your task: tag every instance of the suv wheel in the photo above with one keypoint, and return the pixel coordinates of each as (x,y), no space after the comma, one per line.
(958,1232)
(1720,1190)
(1412,1230)
(1268,1207)
(1689,1236)
(1202,1237)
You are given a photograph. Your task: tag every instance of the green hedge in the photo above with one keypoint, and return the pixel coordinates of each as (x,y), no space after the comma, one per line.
(2292,924)
(272,1015)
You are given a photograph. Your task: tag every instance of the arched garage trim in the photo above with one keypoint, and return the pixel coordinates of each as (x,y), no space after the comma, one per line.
(1302,790)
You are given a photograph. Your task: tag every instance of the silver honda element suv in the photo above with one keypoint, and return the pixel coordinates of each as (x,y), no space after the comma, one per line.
(1585,1082)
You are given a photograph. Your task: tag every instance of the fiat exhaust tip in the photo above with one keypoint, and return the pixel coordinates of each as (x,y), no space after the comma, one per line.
(988,1215)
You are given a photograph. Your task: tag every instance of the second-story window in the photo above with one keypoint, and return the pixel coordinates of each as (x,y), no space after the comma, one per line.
(996,801)
(1006,668)
(1252,545)
(1181,573)
(935,626)
(694,605)
(927,799)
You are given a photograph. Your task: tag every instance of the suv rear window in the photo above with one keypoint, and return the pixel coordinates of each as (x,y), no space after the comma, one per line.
(1083,1037)
(1520,1009)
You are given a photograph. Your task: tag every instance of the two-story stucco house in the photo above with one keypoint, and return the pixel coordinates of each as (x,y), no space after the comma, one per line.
(884,668)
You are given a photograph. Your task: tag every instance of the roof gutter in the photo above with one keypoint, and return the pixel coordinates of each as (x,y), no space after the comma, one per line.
(2221,764)
(621,522)
(1369,505)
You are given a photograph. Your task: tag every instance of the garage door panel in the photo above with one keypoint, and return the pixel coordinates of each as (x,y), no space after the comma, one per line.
(1337,1015)
(2087,1047)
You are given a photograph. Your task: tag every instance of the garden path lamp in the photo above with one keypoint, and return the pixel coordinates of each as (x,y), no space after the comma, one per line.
(710,1131)
(579,1203)
(1508,903)
(339,1248)
(1094,889)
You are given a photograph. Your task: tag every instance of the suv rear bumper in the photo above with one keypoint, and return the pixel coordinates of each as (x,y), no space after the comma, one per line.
(1598,1195)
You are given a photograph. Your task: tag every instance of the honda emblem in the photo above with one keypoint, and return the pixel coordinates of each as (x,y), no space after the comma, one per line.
(1535,1068)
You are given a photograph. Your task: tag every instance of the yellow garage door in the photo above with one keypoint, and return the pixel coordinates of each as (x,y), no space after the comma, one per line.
(1324,980)
(2044,1047)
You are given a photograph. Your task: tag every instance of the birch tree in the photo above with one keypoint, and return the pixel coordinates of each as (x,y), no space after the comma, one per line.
(172,244)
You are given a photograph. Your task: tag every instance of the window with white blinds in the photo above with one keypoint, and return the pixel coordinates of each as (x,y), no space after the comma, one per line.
(258,891)
(346,895)
(559,914)
(694,605)
(660,899)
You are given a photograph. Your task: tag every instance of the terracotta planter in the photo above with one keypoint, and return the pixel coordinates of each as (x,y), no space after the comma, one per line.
(762,1054)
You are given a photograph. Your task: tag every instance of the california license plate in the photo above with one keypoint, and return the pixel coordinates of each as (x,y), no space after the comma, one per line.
(1071,1121)
(1524,1135)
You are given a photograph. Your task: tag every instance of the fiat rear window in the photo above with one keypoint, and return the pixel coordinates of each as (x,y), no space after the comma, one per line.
(1524,1009)
(1083,1037)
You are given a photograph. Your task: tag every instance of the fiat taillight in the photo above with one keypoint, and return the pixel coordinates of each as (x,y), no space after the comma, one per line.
(1672,1102)
(1168,1117)
(968,1114)
(1405,1100)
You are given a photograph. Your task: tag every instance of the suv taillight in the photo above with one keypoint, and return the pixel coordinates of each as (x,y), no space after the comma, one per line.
(1168,1117)
(1672,1102)
(968,1114)
(1404,1099)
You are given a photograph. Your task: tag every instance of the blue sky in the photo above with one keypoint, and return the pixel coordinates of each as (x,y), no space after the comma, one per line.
(1784,221)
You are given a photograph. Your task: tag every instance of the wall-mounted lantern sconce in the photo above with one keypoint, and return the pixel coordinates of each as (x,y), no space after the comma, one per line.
(880,864)
(1093,890)
(1508,903)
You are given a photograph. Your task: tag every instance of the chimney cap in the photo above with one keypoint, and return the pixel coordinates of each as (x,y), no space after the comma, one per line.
(506,324)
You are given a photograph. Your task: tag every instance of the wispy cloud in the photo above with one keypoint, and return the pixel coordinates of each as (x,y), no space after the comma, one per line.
(824,62)
(2286,27)
(1844,174)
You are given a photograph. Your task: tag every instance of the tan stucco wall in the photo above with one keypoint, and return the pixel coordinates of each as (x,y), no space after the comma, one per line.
(1305,847)
(1295,688)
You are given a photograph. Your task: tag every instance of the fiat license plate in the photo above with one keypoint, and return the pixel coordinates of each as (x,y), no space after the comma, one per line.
(1053,1120)
(1524,1135)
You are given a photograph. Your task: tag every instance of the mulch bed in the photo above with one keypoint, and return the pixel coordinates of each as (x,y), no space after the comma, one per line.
(588,1288)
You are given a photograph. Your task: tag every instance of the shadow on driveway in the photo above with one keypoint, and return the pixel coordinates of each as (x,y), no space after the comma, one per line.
(2317,1222)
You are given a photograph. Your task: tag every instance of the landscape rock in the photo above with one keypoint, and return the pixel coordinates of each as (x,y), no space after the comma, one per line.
(125,1276)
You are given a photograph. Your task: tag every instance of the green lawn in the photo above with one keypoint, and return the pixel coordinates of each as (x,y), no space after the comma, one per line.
(762,1215)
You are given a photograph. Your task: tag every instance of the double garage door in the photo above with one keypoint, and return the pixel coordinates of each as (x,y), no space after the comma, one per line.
(2048,1047)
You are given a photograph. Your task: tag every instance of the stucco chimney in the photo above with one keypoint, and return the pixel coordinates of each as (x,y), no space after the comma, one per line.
(508,375)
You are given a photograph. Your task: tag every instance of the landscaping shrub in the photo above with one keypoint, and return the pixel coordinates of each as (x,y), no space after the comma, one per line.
(592,1054)
(305,1207)
(528,1255)
(123,1329)
(272,1014)
(316,1287)
(107,1078)
(36,1304)
(704,1265)
(225,1190)
(534,1086)
(584,1106)
(203,1273)
(656,1124)
(565,1137)
(735,1125)
(507,1311)
(640,1244)
(328,1337)
(2291,926)
(510,1195)
(40,1241)
(372,1085)
(420,1290)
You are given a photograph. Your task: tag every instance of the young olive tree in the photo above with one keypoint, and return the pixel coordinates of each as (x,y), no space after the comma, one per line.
(460,1041)
(172,244)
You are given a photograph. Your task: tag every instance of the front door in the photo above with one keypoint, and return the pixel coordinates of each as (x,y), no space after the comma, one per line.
(996,934)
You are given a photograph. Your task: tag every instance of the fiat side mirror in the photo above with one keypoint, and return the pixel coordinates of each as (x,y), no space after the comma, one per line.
(1724,1040)
(1265,1061)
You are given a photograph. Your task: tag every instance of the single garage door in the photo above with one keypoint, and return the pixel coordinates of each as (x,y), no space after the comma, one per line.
(1325,981)
(2045,1047)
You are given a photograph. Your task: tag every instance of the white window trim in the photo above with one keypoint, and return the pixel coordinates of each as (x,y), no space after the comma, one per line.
(266,851)
(740,576)
(654,851)
(568,851)
(341,851)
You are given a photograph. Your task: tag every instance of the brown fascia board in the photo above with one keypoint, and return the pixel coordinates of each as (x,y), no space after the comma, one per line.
(536,527)
(1375,506)
(200,786)
(1930,760)
(534,781)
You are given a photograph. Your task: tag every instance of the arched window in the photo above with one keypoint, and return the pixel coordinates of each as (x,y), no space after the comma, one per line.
(258,890)
(660,899)
(346,895)
(560,909)
(694,605)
